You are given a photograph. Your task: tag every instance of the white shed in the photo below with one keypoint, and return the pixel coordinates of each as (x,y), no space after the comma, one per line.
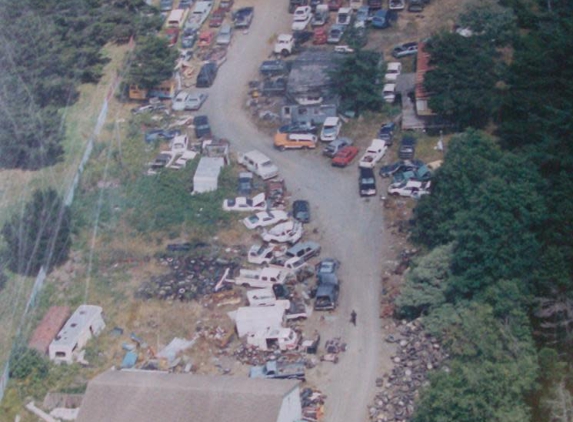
(85,323)
(251,319)
(207,174)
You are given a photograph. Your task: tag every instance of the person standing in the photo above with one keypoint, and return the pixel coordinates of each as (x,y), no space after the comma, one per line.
(353,317)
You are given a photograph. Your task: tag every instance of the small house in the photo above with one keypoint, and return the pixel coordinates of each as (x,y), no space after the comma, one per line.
(48,328)
(85,323)
(309,80)
(314,114)
(206,176)
(151,396)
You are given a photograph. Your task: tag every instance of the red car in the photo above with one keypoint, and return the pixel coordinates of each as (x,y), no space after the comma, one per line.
(217,18)
(172,34)
(344,156)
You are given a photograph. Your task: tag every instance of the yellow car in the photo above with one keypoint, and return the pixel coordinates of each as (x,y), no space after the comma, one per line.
(294,141)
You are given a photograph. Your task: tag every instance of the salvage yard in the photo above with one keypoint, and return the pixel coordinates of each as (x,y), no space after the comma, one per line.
(162,263)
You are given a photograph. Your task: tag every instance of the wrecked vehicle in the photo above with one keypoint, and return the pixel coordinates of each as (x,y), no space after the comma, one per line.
(276,370)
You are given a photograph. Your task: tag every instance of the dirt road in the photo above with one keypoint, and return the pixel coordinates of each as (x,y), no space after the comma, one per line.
(349,228)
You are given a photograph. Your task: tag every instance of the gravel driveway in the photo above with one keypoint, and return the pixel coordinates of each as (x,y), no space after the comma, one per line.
(349,228)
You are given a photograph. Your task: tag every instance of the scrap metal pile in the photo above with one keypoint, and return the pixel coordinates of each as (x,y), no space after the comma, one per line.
(312,401)
(417,354)
(190,277)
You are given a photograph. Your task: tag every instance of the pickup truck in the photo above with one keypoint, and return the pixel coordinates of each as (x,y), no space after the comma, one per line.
(261,278)
(373,154)
(276,370)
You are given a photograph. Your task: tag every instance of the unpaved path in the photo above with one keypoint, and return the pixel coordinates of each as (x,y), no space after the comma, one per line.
(349,228)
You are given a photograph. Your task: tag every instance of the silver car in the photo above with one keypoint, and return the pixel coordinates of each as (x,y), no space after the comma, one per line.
(194,101)
(225,35)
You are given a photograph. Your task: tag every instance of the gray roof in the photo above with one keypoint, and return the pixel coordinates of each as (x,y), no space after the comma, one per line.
(310,71)
(151,396)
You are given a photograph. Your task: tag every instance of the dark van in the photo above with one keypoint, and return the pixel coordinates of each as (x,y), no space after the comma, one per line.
(206,75)
(367,182)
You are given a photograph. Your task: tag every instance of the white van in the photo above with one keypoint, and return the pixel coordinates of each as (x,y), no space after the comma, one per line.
(259,163)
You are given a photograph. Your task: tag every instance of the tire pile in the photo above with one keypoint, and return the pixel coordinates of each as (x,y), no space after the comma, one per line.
(417,354)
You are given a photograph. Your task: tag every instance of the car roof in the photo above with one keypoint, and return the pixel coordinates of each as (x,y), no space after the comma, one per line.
(394,65)
(331,121)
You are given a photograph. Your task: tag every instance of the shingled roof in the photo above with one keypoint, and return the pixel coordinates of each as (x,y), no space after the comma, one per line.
(310,71)
(151,396)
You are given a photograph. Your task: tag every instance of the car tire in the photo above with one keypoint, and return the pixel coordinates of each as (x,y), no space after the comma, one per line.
(285,53)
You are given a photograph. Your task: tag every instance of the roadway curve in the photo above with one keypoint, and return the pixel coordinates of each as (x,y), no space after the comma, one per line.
(349,228)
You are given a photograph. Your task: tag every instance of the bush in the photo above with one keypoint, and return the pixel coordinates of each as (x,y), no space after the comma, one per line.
(28,362)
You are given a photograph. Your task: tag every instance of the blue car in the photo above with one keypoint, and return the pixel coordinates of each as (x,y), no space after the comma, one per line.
(381,19)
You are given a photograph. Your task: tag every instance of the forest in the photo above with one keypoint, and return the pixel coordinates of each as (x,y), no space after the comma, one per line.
(47,49)
(495,283)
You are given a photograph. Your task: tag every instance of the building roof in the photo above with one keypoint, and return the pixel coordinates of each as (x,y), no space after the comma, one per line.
(151,396)
(48,328)
(78,322)
(422,66)
(310,71)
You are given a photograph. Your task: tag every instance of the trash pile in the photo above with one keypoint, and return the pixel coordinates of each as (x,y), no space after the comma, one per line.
(189,278)
(250,355)
(312,401)
(333,348)
(417,354)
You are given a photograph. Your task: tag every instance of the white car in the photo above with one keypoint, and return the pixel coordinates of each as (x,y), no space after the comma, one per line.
(393,70)
(265,253)
(265,218)
(287,232)
(373,154)
(389,93)
(195,100)
(179,144)
(396,4)
(344,16)
(330,129)
(284,44)
(179,101)
(242,204)
(410,188)
(301,18)
(181,162)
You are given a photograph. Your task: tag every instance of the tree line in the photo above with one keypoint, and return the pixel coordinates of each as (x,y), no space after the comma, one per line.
(496,283)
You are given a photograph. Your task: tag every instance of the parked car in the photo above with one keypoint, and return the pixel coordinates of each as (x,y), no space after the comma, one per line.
(284,141)
(206,38)
(393,70)
(396,4)
(301,18)
(185,4)
(160,134)
(288,232)
(273,68)
(330,129)
(344,156)
(327,266)
(415,6)
(260,164)
(406,49)
(373,154)
(189,38)
(300,127)
(199,14)
(327,291)
(243,17)
(301,211)
(165,5)
(179,101)
(245,183)
(226,5)
(284,45)
(410,188)
(320,36)
(206,75)
(303,250)
(278,370)
(386,132)
(344,15)
(274,87)
(217,18)
(421,173)
(172,34)
(293,4)
(389,93)
(265,218)
(321,16)
(301,37)
(381,19)
(225,35)
(243,204)
(366,182)
(334,5)
(202,127)
(195,100)
(335,34)
(407,148)
(261,254)
(399,166)
(362,17)
(314,5)
(332,148)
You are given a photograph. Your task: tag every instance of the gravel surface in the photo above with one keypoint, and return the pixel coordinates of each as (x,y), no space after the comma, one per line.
(349,228)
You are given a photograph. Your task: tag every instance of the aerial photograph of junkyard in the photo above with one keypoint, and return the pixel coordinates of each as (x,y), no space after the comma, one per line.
(286,210)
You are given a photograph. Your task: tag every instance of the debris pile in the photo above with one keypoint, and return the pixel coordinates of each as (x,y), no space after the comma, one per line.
(417,354)
(189,278)
(312,401)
